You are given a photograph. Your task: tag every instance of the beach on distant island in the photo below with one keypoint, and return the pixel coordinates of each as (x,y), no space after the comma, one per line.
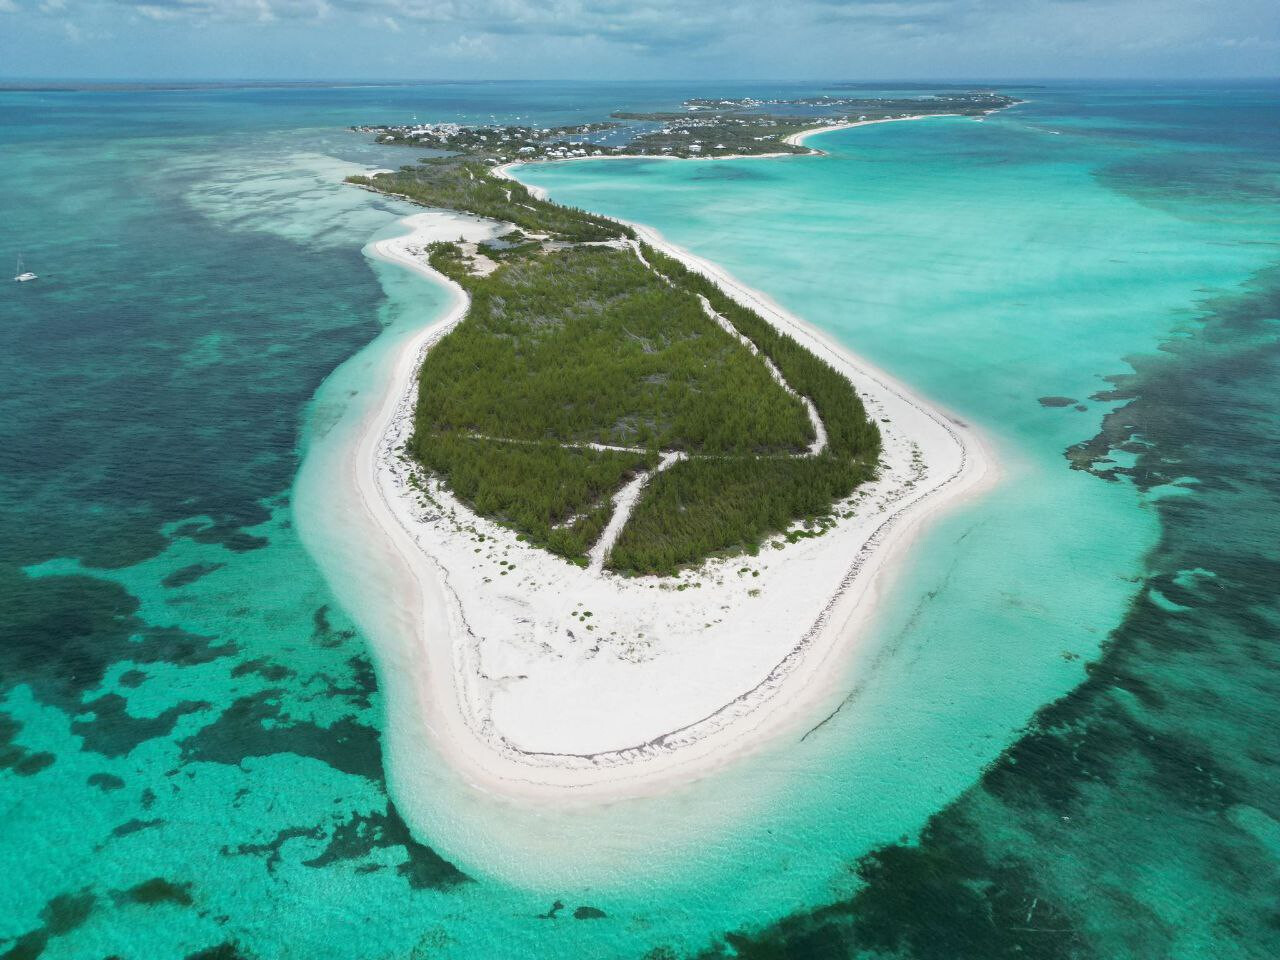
(798,139)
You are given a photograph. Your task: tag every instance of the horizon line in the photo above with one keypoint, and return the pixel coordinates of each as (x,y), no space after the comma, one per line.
(376,81)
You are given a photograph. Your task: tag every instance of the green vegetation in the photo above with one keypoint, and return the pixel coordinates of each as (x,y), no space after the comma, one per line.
(558,497)
(578,362)
(709,134)
(586,345)
(488,140)
(704,507)
(471,187)
(849,431)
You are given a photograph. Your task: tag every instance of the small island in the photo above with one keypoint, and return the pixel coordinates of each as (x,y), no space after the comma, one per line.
(638,490)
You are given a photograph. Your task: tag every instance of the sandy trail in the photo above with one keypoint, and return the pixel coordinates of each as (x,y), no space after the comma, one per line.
(624,502)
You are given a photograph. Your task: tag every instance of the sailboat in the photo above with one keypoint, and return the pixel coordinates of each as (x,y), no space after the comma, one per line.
(20,275)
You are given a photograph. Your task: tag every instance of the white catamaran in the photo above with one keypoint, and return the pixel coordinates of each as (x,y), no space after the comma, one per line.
(20,275)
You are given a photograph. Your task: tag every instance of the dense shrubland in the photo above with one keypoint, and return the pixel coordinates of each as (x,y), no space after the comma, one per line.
(556,496)
(565,346)
(704,507)
(586,345)
(849,431)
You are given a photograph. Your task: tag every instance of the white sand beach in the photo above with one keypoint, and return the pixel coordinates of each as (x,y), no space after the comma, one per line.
(541,681)
(798,139)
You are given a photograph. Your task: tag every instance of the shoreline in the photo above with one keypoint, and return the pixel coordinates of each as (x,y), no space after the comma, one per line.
(804,676)
(798,139)
(795,139)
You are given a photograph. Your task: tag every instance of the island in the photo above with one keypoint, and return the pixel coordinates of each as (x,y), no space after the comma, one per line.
(704,128)
(646,509)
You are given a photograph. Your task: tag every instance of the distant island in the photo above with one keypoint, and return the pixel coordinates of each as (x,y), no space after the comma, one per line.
(705,128)
(602,415)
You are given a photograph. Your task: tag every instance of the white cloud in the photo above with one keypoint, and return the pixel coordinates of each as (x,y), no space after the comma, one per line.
(470,47)
(738,38)
(643,23)
(227,10)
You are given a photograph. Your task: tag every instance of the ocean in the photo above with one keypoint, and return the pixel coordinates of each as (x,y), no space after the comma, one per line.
(1058,740)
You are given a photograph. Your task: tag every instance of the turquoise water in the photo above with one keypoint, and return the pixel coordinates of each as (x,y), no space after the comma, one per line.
(1058,740)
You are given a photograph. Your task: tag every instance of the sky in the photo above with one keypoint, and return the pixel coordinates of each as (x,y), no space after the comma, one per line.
(638,39)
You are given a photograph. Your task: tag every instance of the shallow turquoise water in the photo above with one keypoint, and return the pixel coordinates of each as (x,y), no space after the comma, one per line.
(185,698)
